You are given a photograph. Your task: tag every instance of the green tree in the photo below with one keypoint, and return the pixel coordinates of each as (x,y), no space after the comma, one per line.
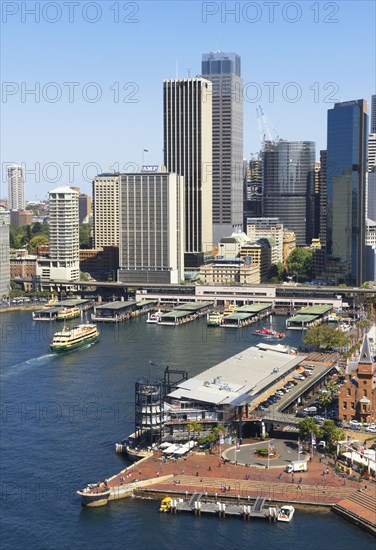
(37,241)
(325,336)
(307,426)
(332,433)
(194,427)
(325,399)
(85,235)
(299,263)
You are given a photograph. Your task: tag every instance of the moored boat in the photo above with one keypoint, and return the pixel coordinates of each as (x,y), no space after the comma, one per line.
(214,319)
(73,338)
(154,317)
(268,332)
(68,313)
(286,513)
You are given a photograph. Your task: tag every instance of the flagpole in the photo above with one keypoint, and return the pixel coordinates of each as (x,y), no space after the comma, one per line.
(298,448)
(268,453)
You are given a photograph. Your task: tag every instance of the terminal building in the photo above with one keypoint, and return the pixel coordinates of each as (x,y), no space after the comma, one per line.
(223,394)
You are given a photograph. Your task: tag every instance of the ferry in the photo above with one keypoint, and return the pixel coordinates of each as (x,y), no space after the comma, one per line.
(214,319)
(286,513)
(154,317)
(68,313)
(72,338)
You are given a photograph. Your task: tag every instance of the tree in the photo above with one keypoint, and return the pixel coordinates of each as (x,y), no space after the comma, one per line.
(325,400)
(299,263)
(325,336)
(333,433)
(85,235)
(309,426)
(276,273)
(37,241)
(194,427)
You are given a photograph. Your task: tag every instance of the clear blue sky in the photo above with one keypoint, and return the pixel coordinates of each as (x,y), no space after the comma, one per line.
(308,43)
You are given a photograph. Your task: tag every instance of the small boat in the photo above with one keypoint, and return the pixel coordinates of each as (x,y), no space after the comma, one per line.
(72,338)
(286,513)
(268,332)
(68,313)
(165,505)
(154,317)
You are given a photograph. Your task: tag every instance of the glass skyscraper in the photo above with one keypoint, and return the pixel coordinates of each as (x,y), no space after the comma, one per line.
(223,70)
(288,181)
(346,189)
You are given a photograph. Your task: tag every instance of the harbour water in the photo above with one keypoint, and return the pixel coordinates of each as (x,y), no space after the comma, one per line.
(61,416)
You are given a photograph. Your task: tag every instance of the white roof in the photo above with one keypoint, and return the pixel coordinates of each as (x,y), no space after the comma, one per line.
(64,189)
(238,378)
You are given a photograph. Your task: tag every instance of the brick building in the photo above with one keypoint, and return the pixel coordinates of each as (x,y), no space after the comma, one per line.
(357,397)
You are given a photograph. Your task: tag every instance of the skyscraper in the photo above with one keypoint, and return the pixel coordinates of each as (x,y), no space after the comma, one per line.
(188,152)
(4,253)
(16,187)
(151,228)
(373,115)
(106,210)
(63,262)
(223,70)
(288,178)
(346,189)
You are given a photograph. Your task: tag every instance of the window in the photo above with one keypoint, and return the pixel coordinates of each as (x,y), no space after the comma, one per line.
(344,405)
(352,405)
(348,392)
(364,393)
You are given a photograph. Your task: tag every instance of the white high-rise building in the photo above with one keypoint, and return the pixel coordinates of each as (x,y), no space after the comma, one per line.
(373,114)
(4,253)
(151,228)
(188,153)
(371,152)
(63,262)
(16,187)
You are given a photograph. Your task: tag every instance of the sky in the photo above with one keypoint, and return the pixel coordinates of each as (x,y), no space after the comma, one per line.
(82,81)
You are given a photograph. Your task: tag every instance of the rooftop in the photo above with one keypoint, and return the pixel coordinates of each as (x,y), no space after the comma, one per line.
(239,379)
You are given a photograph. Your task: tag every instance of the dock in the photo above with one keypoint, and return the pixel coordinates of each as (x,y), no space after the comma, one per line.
(246,315)
(119,311)
(308,317)
(199,504)
(184,313)
(359,508)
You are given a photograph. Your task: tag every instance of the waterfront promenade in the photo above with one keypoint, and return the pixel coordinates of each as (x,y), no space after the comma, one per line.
(210,473)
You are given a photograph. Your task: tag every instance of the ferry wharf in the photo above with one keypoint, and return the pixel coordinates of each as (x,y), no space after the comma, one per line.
(219,481)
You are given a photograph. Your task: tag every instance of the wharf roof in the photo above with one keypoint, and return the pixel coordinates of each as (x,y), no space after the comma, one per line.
(254,308)
(53,309)
(239,379)
(238,315)
(72,302)
(174,314)
(116,305)
(193,306)
(145,302)
(302,318)
(315,310)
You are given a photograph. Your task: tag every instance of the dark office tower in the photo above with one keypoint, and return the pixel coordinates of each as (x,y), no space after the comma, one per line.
(323,162)
(373,115)
(223,70)
(346,189)
(252,190)
(288,178)
(188,152)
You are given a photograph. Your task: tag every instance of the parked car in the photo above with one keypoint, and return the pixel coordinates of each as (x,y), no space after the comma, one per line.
(371,429)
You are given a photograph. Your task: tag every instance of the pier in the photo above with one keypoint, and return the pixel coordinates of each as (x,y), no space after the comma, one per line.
(184,313)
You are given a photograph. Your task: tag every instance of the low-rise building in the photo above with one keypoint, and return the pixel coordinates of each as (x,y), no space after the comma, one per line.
(101,263)
(289,244)
(23,266)
(357,397)
(258,254)
(228,271)
(21,217)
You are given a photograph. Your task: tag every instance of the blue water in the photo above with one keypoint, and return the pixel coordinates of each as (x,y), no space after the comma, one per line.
(61,416)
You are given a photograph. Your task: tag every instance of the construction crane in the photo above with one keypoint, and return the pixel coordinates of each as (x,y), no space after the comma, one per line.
(265,128)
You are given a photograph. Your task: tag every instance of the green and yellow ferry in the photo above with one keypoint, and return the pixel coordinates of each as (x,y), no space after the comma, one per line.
(73,338)
(68,313)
